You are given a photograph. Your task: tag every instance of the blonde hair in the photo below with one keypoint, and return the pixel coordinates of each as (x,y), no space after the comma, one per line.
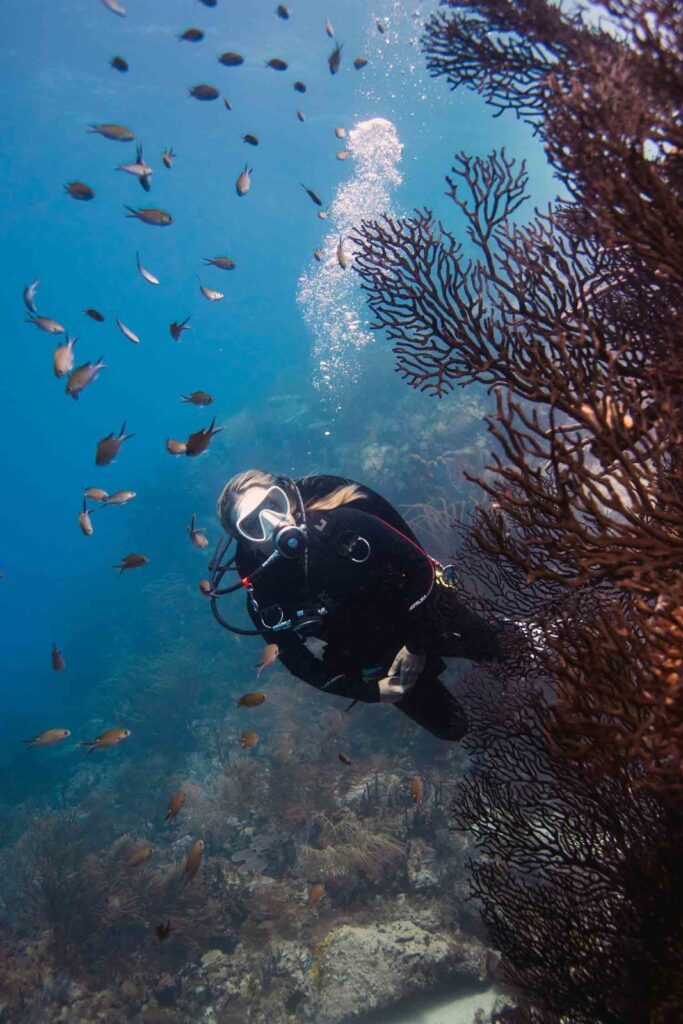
(343,495)
(236,485)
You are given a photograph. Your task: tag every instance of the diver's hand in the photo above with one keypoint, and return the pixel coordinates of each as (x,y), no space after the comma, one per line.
(407,667)
(391,689)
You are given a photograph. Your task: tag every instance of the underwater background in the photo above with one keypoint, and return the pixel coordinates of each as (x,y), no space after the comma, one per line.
(299,385)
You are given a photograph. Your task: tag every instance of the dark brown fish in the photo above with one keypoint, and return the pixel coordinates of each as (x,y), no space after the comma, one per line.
(312,195)
(276,64)
(299,87)
(249,740)
(191,35)
(417,789)
(209,3)
(282,12)
(119,64)
(175,805)
(381,27)
(359,62)
(221,262)
(230,59)
(250,700)
(48,738)
(108,447)
(163,931)
(150,215)
(110,738)
(82,376)
(79,190)
(300,115)
(201,439)
(175,447)
(197,398)
(251,140)
(58,663)
(167,157)
(193,860)
(94,314)
(334,60)
(131,562)
(344,758)
(177,328)
(196,534)
(204,92)
(228,104)
(138,857)
(116,132)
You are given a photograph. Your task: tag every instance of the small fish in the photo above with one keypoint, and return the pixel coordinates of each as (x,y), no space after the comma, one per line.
(163,931)
(200,440)
(82,376)
(115,7)
(209,293)
(167,157)
(197,398)
(344,758)
(177,328)
(334,60)
(228,104)
(416,789)
(58,663)
(250,700)
(249,740)
(175,447)
(342,258)
(329,29)
(115,132)
(282,12)
(138,857)
(138,168)
(316,893)
(175,805)
(145,273)
(110,738)
(301,116)
(126,331)
(230,59)
(243,183)
(94,314)
(119,64)
(205,588)
(318,253)
(221,262)
(196,534)
(95,494)
(119,498)
(381,27)
(342,154)
(191,35)
(159,218)
(299,87)
(209,3)
(84,521)
(193,860)
(359,62)
(204,92)
(108,447)
(323,214)
(133,561)
(251,140)
(312,195)
(63,359)
(340,133)
(44,323)
(276,64)
(48,738)
(267,658)
(29,294)
(79,190)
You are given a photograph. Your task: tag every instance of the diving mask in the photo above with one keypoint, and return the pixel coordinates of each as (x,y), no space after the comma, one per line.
(261,512)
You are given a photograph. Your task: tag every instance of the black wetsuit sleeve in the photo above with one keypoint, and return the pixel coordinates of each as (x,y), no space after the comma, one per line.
(302,663)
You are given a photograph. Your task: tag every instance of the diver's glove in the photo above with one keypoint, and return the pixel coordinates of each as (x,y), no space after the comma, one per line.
(407,667)
(391,689)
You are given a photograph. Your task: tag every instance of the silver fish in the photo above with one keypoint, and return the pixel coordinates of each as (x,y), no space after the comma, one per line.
(82,376)
(342,258)
(44,323)
(127,332)
(119,498)
(116,132)
(30,295)
(145,273)
(209,293)
(243,183)
(115,7)
(64,357)
(139,169)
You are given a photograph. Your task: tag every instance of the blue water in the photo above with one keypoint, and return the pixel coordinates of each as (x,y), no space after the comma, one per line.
(254,351)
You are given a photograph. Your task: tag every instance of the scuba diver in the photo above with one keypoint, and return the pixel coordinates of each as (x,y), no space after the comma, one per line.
(325,557)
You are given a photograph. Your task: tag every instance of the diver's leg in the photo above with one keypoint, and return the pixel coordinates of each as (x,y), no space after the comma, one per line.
(433,707)
(465,634)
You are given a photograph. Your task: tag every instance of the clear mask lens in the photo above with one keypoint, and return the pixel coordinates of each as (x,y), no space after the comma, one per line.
(272,511)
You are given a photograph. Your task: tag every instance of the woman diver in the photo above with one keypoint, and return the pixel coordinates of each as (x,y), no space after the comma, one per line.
(324,557)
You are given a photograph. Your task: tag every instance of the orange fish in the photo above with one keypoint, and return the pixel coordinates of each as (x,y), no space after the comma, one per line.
(110,738)
(47,738)
(175,805)
(268,657)
(251,700)
(175,447)
(193,860)
(417,789)
(58,663)
(138,857)
(316,892)
(249,739)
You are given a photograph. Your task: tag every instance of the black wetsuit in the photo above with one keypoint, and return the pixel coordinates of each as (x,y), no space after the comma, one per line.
(365,567)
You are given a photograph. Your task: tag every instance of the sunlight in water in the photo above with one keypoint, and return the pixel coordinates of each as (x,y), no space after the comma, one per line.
(328,294)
